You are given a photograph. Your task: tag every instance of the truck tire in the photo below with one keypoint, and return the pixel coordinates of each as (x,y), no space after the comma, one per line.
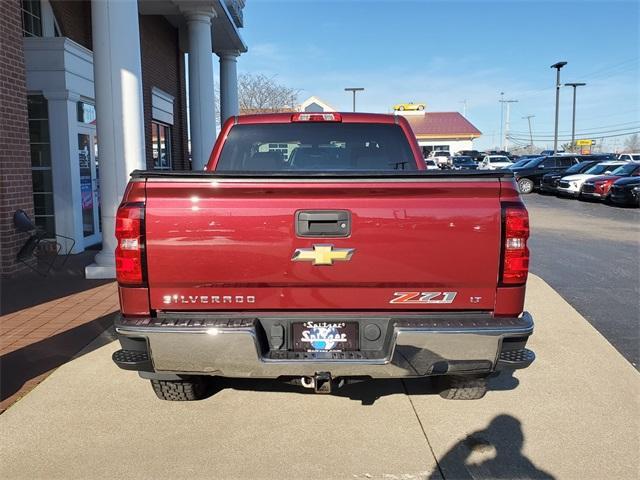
(525,185)
(180,390)
(463,388)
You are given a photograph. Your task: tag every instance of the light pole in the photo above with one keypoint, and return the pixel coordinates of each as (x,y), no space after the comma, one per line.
(354,90)
(505,146)
(573,125)
(464,107)
(501,116)
(557,66)
(529,117)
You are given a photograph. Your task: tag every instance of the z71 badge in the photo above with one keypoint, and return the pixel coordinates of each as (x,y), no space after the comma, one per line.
(423,297)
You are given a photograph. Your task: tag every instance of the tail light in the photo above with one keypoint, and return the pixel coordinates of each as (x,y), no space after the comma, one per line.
(130,249)
(316,117)
(515,254)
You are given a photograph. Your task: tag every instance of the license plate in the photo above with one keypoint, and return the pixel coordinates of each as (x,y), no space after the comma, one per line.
(325,336)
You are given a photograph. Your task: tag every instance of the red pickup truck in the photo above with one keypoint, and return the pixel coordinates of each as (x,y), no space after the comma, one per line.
(317,249)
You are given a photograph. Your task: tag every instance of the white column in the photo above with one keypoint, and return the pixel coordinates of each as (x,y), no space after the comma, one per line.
(65,171)
(201,92)
(120,121)
(228,84)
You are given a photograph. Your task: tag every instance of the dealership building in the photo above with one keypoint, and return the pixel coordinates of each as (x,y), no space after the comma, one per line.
(93,89)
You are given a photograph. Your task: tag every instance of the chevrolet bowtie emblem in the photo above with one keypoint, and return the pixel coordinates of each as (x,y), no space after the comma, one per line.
(322,254)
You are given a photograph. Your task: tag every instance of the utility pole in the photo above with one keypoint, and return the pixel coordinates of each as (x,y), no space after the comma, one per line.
(505,141)
(558,66)
(354,90)
(528,118)
(501,116)
(573,125)
(464,107)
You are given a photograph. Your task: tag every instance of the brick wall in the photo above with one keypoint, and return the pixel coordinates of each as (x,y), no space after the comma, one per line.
(74,20)
(15,157)
(163,68)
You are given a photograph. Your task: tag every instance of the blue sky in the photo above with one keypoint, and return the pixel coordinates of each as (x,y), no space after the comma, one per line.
(442,53)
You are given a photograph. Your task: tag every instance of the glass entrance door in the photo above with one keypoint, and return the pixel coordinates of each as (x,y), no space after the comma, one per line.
(89,189)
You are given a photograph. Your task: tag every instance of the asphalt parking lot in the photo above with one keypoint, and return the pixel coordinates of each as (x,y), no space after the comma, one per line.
(589,253)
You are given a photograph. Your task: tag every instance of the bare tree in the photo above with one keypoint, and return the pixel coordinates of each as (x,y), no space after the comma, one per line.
(258,93)
(632,143)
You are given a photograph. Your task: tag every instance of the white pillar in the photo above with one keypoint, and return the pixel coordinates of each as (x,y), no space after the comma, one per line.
(120,121)
(201,92)
(65,170)
(228,85)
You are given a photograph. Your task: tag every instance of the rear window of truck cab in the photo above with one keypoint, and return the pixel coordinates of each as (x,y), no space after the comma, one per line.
(316,146)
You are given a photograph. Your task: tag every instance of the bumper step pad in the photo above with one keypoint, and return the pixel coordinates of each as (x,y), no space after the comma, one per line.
(516,359)
(132,360)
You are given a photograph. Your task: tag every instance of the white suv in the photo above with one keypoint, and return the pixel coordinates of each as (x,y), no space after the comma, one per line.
(572,184)
(441,157)
(629,157)
(494,162)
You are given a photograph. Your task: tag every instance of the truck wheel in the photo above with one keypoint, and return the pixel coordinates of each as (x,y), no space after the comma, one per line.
(463,388)
(401,108)
(180,390)
(525,185)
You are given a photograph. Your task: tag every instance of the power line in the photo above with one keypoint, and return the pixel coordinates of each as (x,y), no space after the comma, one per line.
(567,131)
(584,138)
(548,134)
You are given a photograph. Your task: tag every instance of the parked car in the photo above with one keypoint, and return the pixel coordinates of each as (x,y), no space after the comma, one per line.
(626,191)
(313,283)
(549,182)
(494,162)
(571,184)
(519,163)
(599,187)
(441,157)
(463,162)
(548,153)
(409,106)
(629,157)
(529,175)
(431,164)
(475,154)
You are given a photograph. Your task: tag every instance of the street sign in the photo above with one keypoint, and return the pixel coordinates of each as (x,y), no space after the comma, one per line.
(585,142)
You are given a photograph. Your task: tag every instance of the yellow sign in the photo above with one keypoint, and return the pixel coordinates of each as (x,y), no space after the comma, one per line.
(584,142)
(322,254)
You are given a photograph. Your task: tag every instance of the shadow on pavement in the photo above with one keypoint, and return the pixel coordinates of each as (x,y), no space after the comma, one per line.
(27,363)
(29,289)
(492,453)
(366,391)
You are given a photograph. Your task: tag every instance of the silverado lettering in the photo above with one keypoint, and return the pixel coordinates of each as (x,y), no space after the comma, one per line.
(435,290)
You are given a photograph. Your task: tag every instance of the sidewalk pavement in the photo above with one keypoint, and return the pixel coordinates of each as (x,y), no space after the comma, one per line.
(35,340)
(572,415)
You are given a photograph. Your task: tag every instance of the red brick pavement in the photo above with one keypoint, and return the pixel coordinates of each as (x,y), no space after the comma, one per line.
(36,340)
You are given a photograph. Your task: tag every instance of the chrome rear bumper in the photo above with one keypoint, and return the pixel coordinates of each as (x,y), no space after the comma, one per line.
(415,345)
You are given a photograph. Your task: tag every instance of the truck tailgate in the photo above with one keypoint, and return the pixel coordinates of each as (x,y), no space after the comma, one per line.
(429,244)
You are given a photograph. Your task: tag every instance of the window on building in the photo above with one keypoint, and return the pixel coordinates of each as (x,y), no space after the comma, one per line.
(86,113)
(41,163)
(31,18)
(161,145)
